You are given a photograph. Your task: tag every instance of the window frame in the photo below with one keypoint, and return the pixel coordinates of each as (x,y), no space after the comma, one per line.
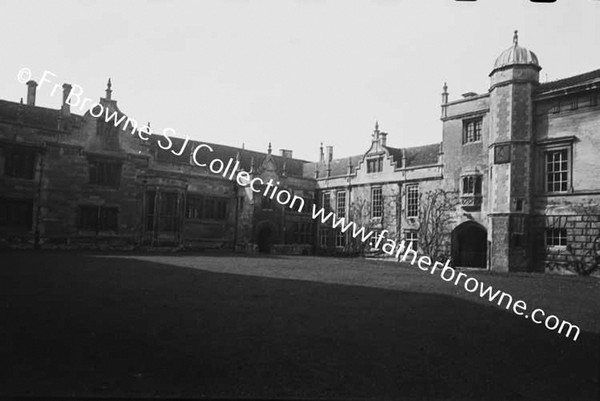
(474,182)
(472,131)
(17,171)
(556,241)
(100,215)
(326,204)
(167,217)
(194,203)
(11,216)
(376,202)
(412,209)
(323,237)
(216,208)
(340,239)
(566,150)
(414,238)
(374,164)
(303,234)
(340,196)
(100,175)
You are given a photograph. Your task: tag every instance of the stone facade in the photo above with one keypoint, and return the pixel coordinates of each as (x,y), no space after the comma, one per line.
(70,181)
(520,159)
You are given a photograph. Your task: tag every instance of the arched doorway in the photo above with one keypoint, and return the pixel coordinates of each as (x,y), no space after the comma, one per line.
(469,245)
(265,238)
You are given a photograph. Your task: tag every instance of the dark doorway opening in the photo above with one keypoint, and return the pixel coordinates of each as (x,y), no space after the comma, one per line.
(469,245)
(265,238)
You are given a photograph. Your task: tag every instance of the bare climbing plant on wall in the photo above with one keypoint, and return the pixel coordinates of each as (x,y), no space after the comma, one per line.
(581,253)
(435,221)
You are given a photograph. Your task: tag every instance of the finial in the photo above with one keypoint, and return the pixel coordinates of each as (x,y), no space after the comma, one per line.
(269,148)
(516,38)
(376,125)
(445,87)
(243,146)
(108,90)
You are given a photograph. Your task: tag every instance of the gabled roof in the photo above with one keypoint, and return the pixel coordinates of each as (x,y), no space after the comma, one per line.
(293,167)
(415,156)
(581,79)
(31,115)
(339,167)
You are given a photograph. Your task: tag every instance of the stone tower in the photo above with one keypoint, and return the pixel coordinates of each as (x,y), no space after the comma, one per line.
(513,81)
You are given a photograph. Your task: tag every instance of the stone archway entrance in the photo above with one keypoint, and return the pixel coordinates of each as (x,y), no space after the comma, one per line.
(469,245)
(265,238)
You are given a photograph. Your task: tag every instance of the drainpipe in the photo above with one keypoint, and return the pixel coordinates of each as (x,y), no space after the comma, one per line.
(36,235)
(237,210)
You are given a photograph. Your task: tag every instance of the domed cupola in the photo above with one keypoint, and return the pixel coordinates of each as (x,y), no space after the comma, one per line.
(516,55)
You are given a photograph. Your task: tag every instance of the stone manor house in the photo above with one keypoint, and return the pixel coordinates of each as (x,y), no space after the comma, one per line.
(523,159)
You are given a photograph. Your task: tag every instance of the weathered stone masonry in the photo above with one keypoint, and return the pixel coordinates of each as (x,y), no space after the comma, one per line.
(522,159)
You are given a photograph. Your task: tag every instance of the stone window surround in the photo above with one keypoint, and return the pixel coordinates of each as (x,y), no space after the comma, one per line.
(106,218)
(340,203)
(326,201)
(376,202)
(550,145)
(323,237)
(476,123)
(412,201)
(100,171)
(471,200)
(20,155)
(556,237)
(340,239)
(374,164)
(412,236)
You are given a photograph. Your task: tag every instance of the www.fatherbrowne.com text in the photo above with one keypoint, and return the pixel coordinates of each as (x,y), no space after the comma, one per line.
(230,170)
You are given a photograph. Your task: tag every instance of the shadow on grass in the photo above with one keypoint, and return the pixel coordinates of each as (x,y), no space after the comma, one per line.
(79,325)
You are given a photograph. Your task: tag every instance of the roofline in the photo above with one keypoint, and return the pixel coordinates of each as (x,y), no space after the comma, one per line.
(506,67)
(467,99)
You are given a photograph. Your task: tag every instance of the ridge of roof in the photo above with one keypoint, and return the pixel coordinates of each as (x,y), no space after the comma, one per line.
(569,81)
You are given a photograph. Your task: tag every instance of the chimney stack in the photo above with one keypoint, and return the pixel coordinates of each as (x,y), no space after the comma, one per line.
(286,153)
(383,138)
(66,108)
(31,87)
(329,153)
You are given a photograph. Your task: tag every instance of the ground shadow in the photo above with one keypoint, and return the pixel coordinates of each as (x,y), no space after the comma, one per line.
(79,325)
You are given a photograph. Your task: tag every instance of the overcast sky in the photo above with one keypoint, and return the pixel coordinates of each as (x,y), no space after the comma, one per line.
(291,72)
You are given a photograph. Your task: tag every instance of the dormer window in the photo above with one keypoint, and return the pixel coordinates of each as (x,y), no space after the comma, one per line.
(472,130)
(374,165)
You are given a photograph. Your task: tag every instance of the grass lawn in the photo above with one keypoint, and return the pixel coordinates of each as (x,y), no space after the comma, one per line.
(284,327)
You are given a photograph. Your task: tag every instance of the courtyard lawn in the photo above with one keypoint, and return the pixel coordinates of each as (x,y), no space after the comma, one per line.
(284,327)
